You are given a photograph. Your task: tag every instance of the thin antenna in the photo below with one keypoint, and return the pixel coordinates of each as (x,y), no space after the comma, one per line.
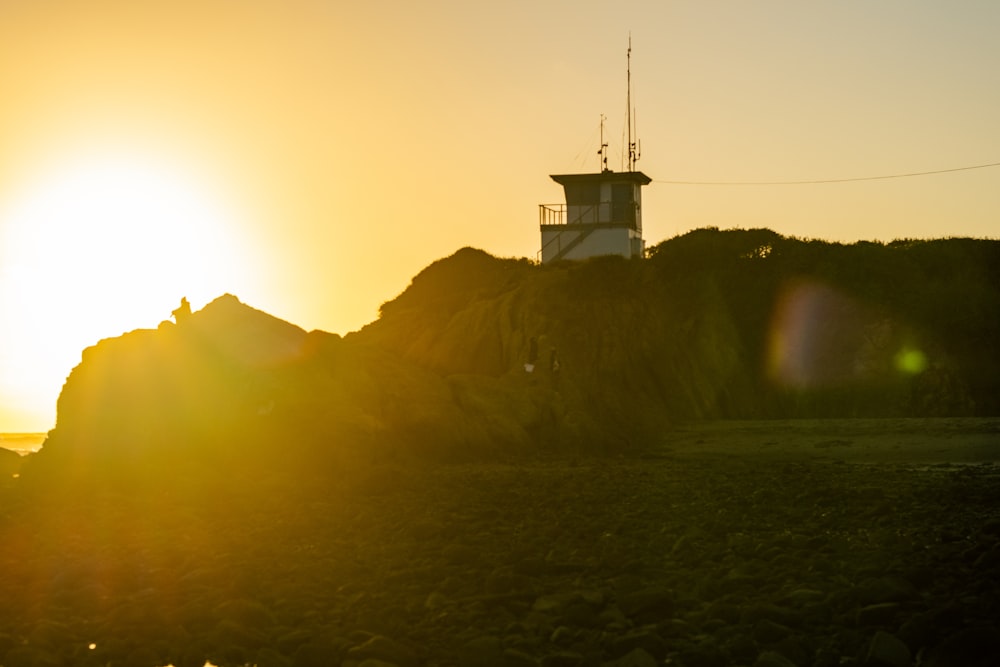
(638,141)
(603,150)
(633,152)
(628,97)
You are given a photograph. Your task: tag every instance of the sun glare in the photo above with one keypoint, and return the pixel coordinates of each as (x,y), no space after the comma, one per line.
(99,246)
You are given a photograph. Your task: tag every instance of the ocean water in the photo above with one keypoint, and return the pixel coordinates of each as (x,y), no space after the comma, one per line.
(22,443)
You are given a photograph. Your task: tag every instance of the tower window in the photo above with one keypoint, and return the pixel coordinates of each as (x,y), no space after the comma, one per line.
(583,193)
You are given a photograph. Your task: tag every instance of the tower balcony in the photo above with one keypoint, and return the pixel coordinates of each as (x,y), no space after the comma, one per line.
(605,214)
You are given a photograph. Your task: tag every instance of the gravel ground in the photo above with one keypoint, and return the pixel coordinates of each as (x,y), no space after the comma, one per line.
(744,543)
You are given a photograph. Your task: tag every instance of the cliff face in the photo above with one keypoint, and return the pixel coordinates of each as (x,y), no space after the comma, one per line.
(742,324)
(630,353)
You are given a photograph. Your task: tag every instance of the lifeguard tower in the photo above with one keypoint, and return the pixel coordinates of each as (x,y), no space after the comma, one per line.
(602,216)
(603,211)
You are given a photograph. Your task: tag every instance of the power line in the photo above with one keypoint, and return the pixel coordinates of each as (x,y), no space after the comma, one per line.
(832,180)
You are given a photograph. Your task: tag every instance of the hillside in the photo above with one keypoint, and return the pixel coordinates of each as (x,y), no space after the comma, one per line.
(715,324)
(734,324)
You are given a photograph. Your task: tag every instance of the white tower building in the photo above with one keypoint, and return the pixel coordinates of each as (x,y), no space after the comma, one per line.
(602,216)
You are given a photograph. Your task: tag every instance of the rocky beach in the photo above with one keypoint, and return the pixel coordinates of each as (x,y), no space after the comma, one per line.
(819,543)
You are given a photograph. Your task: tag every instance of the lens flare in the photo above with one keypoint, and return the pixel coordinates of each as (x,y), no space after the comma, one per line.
(911,361)
(812,330)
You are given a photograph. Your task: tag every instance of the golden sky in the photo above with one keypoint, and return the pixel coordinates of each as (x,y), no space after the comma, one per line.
(312,156)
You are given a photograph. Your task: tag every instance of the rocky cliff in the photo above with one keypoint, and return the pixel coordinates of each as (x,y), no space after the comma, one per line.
(735,324)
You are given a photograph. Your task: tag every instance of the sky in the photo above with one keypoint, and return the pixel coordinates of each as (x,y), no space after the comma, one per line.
(312,156)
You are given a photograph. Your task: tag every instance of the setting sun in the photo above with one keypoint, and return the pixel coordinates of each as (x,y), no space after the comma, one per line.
(98,245)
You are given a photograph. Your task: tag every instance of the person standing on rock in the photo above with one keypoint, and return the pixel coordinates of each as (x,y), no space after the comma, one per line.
(183,311)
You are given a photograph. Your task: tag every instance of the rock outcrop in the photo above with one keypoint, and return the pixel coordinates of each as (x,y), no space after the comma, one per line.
(743,324)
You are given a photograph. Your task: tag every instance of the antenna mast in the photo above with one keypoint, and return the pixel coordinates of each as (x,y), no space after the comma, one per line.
(633,153)
(602,152)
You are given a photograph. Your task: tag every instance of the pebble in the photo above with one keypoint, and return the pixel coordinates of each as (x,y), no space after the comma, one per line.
(505,580)
(385,649)
(772,659)
(634,658)
(804,596)
(486,650)
(887,650)
(563,636)
(767,631)
(644,638)
(515,658)
(878,614)
(562,659)
(705,653)
(651,604)
(886,589)
(554,603)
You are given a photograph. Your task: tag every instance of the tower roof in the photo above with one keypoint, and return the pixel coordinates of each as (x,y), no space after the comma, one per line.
(603,177)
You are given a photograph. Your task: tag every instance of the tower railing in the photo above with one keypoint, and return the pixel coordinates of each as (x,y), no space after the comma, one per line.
(603,213)
(551,214)
(558,214)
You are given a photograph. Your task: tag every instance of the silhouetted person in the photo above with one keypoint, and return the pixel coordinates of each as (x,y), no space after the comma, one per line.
(183,311)
(532,355)
(553,362)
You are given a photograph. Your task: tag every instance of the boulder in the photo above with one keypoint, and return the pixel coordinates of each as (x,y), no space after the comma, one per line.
(877,614)
(386,650)
(772,659)
(886,650)
(635,658)
(648,604)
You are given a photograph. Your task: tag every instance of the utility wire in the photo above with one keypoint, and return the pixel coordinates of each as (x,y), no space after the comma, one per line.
(586,152)
(832,180)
